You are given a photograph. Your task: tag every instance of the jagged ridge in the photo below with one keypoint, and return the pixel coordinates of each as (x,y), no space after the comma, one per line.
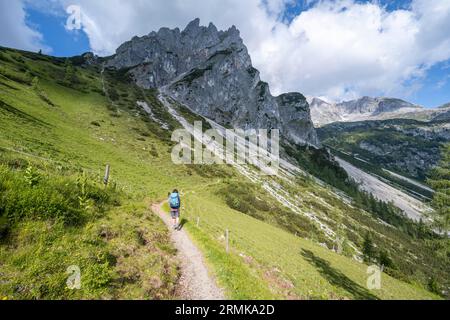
(211,72)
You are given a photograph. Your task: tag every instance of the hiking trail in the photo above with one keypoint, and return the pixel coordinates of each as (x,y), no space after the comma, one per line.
(195,282)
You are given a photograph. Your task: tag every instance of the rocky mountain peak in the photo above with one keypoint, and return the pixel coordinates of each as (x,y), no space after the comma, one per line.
(211,72)
(193,26)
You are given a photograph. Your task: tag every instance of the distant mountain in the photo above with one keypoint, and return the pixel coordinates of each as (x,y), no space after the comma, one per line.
(405,146)
(323,112)
(367,108)
(442,113)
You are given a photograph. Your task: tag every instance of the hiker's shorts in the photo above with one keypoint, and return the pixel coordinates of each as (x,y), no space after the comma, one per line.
(175,213)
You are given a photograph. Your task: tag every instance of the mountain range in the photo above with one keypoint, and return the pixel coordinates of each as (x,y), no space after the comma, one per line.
(368,108)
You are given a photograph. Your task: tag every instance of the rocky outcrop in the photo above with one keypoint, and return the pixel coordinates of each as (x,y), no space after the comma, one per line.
(211,72)
(296,118)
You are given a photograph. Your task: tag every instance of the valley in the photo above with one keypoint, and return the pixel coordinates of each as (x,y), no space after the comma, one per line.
(407,147)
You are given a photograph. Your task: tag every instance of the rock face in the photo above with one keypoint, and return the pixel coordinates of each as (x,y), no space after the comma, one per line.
(365,108)
(211,72)
(294,111)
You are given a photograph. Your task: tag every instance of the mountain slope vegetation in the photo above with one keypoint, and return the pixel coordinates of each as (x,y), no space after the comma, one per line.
(407,147)
(63,120)
(440,180)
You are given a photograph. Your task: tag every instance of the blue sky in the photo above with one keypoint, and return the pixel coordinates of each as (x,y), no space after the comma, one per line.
(296,7)
(431,88)
(63,43)
(67,43)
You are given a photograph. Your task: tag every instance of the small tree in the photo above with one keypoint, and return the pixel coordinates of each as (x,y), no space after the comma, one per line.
(385,260)
(440,181)
(368,248)
(69,75)
(35,83)
(421,229)
(113,94)
(28,76)
(32,176)
(340,235)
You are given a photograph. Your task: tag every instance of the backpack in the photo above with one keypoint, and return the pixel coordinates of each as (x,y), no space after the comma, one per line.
(174,200)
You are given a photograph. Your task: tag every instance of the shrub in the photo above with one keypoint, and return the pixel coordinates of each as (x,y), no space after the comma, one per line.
(32,176)
(385,260)
(4,226)
(237,204)
(40,92)
(69,74)
(3,57)
(31,195)
(154,151)
(15,76)
(433,286)
(98,276)
(113,94)
(251,200)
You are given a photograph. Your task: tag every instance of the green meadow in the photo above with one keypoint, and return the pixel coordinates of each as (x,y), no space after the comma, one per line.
(62,122)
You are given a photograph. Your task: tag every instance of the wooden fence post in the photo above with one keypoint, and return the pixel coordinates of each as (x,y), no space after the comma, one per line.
(106,178)
(227,236)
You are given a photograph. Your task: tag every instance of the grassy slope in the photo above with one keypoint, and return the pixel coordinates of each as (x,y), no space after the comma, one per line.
(64,134)
(294,267)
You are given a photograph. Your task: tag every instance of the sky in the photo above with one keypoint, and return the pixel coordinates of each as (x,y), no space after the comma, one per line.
(333,49)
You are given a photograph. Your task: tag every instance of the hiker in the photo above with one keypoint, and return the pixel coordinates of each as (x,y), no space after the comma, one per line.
(174,203)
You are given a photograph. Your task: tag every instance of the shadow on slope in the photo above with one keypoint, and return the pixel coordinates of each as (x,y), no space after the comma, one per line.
(21,114)
(337,278)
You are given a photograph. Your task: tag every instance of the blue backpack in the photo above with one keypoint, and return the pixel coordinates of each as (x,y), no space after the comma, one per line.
(174,200)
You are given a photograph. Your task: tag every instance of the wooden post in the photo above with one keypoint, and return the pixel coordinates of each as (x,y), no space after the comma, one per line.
(106,178)
(227,237)
(198,221)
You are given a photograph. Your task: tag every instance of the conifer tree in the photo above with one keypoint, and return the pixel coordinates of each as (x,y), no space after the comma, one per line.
(440,181)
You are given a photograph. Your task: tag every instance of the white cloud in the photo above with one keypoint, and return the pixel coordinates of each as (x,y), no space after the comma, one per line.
(337,49)
(14,32)
(108,23)
(344,49)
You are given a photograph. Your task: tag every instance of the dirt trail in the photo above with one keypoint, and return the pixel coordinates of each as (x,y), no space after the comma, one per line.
(195,281)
